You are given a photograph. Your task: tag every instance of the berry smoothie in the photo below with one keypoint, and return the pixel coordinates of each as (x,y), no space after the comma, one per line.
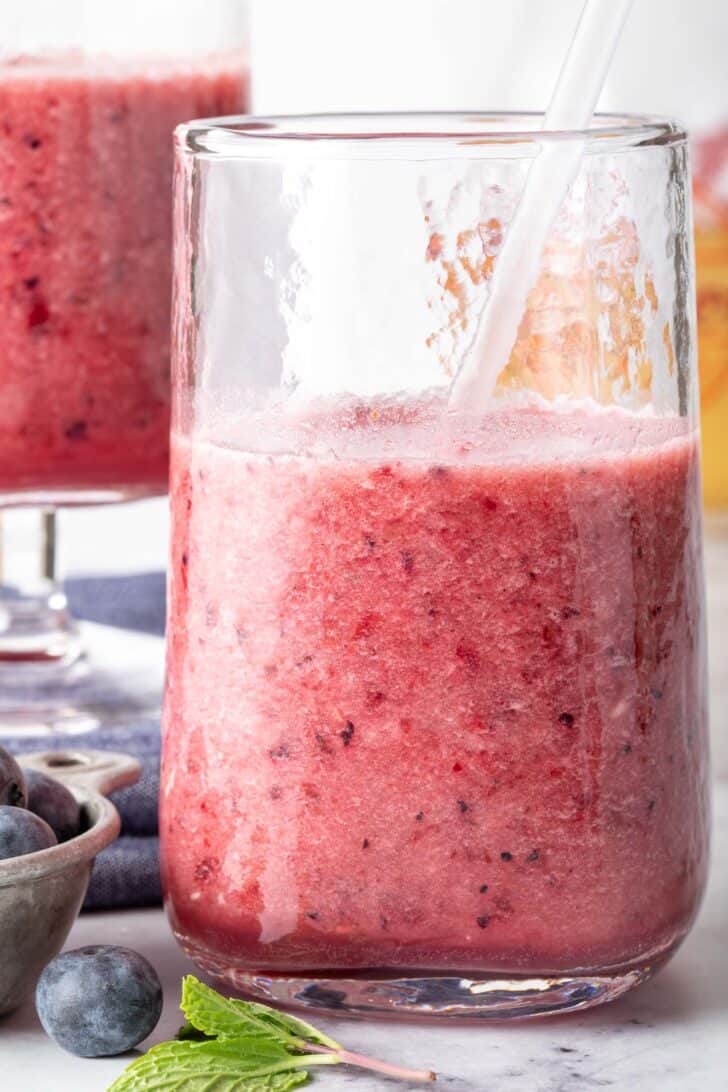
(435,692)
(85,279)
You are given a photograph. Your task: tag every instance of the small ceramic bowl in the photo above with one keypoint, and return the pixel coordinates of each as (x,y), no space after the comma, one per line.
(41,893)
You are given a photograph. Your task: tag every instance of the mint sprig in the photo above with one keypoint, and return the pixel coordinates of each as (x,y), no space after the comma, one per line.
(217,1016)
(228,1045)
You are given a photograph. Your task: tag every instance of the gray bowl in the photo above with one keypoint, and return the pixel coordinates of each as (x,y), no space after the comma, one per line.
(41,893)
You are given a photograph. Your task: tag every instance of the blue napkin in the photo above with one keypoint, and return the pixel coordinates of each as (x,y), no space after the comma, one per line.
(135,602)
(127,873)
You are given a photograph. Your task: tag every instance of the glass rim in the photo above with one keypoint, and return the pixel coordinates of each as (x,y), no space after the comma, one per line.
(407,134)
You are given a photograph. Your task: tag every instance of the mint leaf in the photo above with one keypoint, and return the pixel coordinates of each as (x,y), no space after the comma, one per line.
(219,1017)
(224,1018)
(187,1031)
(290,1024)
(213,1015)
(228,1045)
(224,1065)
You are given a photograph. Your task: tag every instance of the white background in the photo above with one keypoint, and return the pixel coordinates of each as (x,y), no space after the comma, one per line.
(122,26)
(311,55)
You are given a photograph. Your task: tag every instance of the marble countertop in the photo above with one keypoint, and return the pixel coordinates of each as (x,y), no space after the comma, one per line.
(668,1036)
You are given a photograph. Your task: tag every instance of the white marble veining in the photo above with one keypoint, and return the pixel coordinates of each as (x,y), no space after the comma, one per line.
(671,1035)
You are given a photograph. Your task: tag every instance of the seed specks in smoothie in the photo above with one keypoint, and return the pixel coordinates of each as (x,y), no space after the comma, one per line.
(347,734)
(77,431)
(506,856)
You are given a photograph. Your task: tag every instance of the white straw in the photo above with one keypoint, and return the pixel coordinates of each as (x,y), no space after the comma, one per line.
(551,173)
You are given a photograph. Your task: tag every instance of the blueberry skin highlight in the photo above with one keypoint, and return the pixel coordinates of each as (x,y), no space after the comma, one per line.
(22,832)
(54,803)
(99,1001)
(13,789)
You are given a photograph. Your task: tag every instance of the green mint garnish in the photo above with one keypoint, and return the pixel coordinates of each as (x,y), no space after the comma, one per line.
(241,1046)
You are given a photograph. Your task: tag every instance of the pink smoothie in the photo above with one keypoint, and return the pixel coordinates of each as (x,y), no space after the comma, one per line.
(434,699)
(85,282)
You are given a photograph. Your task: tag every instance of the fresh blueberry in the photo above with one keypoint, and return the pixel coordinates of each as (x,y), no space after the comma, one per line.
(99,1001)
(22,832)
(12,782)
(53,802)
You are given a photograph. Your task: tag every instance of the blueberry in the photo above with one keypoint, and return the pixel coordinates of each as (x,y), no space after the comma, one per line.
(22,832)
(53,802)
(99,1001)
(12,782)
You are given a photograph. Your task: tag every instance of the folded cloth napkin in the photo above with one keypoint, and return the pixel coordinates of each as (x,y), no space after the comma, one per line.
(127,873)
(135,602)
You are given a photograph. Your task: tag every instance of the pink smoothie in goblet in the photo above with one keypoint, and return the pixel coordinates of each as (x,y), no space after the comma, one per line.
(85,269)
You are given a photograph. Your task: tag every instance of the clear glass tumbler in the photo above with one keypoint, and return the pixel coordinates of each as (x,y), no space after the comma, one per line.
(90,94)
(435,714)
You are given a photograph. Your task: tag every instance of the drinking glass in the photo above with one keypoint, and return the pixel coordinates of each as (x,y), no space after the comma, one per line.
(435,712)
(89,96)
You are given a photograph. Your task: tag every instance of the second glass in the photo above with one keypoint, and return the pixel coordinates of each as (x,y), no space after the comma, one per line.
(435,712)
(85,273)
